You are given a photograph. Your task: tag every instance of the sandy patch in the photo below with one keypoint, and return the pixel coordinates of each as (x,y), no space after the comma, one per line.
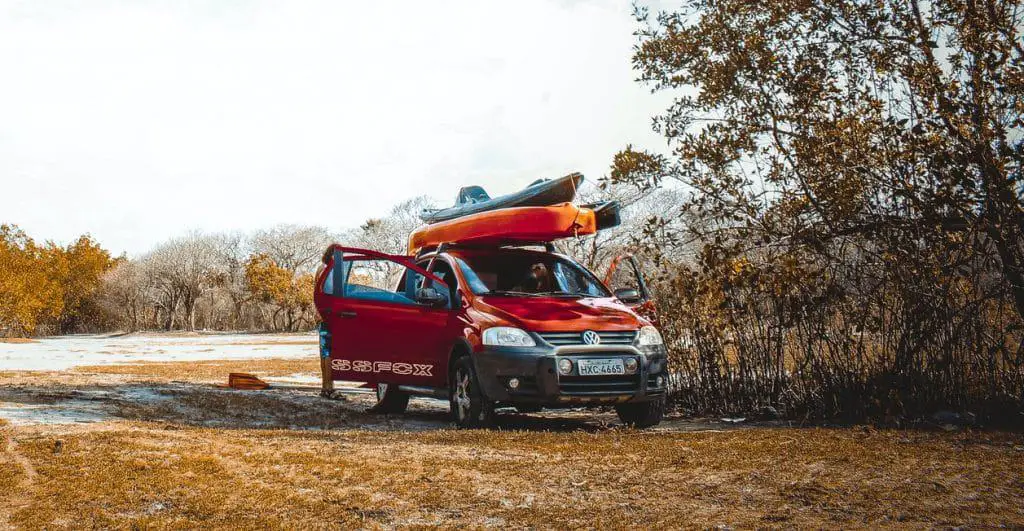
(63,353)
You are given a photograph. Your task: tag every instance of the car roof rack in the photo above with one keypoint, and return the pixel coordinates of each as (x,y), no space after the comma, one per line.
(432,248)
(548,246)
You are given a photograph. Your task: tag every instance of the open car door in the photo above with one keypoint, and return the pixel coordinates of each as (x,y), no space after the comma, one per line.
(386,325)
(627,282)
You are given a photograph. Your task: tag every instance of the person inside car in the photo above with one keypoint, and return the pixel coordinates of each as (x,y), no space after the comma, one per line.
(538,280)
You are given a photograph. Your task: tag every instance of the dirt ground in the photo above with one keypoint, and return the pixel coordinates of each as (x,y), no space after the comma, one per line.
(159,445)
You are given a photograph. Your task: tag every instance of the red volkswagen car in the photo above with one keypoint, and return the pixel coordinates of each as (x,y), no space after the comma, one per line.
(491,326)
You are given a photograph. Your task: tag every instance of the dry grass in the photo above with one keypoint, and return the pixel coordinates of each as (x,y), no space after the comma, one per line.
(195,460)
(16,340)
(209,371)
(145,474)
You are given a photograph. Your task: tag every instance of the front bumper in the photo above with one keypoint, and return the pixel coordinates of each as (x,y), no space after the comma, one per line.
(541,384)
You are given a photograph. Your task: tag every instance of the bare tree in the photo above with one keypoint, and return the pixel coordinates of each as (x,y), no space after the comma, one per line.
(390,234)
(161,296)
(641,210)
(123,295)
(230,253)
(184,269)
(296,248)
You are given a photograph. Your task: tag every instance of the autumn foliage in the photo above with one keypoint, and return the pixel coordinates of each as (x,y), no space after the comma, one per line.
(290,294)
(47,286)
(851,180)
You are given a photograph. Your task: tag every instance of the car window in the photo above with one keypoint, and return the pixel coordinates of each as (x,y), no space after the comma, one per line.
(571,281)
(520,272)
(370,280)
(328,287)
(443,271)
(476,284)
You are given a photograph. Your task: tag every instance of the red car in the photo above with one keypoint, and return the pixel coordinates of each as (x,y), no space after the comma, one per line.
(490,326)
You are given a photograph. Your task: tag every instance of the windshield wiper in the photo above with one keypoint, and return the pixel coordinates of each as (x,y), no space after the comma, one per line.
(559,294)
(504,293)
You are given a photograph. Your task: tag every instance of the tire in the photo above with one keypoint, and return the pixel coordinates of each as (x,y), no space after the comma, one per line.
(642,415)
(390,400)
(470,408)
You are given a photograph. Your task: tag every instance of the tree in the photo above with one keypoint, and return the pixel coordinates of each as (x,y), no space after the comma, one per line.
(86,263)
(651,223)
(183,270)
(851,175)
(231,251)
(804,123)
(123,295)
(290,294)
(293,247)
(390,234)
(30,283)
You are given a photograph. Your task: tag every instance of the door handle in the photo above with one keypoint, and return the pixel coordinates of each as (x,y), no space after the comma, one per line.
(347,315)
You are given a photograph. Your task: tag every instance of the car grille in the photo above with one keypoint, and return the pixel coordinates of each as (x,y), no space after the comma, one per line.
(557,339)
(599,385)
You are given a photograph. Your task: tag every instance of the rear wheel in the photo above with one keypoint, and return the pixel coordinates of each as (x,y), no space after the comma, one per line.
(470,408)
(390,399)
(642,415)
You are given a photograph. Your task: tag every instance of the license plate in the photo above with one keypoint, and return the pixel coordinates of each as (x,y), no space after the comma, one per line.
(601,367)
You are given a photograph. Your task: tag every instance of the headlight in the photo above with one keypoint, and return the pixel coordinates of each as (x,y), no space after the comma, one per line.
(649,337)
(505,336)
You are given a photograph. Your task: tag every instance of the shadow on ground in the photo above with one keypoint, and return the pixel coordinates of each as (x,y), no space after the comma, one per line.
(205,405)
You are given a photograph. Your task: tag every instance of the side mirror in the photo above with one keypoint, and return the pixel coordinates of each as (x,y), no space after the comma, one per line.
(628,295)
(430,297)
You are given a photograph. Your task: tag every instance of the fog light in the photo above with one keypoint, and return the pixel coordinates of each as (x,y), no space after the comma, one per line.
(659,381)
(513,383)
(631,365)
(565,366)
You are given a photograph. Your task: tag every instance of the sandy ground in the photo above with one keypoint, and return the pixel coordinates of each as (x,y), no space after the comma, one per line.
(86,379)
(155,443)
(66,352)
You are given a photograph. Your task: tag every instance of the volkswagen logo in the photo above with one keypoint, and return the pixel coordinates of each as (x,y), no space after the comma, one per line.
(590,337)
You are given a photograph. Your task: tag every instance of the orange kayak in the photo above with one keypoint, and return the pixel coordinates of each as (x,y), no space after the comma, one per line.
(507,226)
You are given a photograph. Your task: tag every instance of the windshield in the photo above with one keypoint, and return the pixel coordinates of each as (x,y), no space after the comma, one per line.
(522,273)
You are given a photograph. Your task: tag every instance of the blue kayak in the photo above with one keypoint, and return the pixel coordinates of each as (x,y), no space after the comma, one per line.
(473,199)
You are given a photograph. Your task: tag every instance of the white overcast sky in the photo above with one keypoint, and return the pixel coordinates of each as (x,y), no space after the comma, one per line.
(135,121)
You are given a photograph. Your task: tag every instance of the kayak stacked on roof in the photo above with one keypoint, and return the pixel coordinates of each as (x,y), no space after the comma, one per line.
(541,212)
(474,200)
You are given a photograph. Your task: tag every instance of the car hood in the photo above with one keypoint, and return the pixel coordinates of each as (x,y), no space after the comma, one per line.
(563,314)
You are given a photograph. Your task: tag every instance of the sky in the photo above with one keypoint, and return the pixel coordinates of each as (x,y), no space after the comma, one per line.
(136,121)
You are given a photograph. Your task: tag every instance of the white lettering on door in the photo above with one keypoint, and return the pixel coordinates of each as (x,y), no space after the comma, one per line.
(403,369)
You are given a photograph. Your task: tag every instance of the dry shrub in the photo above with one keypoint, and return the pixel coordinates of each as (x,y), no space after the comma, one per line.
(851,189)
(850,340)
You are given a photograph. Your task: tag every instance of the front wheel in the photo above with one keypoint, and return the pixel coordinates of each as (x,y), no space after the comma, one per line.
(470,408)
(390,399)
(642,415)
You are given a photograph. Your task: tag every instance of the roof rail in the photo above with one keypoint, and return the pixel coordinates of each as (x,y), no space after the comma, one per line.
(433,248)
(548,246)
